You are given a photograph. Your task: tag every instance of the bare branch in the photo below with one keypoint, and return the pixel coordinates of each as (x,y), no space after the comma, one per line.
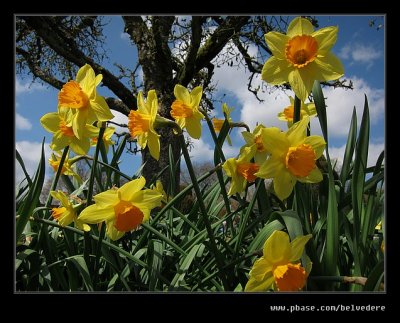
(63,44)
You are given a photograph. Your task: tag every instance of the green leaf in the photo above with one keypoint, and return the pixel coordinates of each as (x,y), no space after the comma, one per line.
(155,260)
(321,108)
(184,267)
(375,277)
(348,154)
(80,264)
(358,179)
(32,198)
(21,162)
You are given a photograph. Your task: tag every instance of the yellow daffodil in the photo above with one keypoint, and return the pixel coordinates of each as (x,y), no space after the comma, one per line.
(63,135)
(185,109)
(306,109)
(219,122)
(107,138)
(82,98)
(279,267)
(141,123)
(254,139)
(66,214)
(241,170)
(67,168)
(302,56)
(159,188)
(123,209)
(293,157)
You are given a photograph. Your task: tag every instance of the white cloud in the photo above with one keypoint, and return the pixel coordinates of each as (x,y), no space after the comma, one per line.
(124,36)
(374,150)
(30,152)
(22,123)
(360,53)
(340,102)
(121,119)
(27,87)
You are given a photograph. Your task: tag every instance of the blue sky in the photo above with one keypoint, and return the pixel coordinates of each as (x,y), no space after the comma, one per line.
(360,47)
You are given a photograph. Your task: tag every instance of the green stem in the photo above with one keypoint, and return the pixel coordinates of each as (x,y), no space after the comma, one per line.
(297,108)
(213,245)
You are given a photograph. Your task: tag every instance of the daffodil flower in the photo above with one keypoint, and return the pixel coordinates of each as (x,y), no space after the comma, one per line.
(107,138)
(254,139)
(63,135)
(241,170)
(66,214)
(82,98)
(306,109)
(185,109)
(141,123)
(279,267)
(293,157)
(159,188)
(123,209)
(219,122)
(67,168)
(302,56)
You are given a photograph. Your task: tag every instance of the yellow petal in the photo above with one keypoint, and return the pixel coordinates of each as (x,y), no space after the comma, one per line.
(59,195)
(141,104)
(229,167)
(101,109)
(277,248)
(60,141)
(248,137)
(128,190)
(112,232)
(283,184)
(106,199)
(260,157)
(146,199)
(193,127)
(51,122)
(154,145)
(301,81)
(98,79)
(81,225)
(270,168)
(297,133)
(277,43)
(275,141)
(87,81)
(315,176)
(91,131)
(297,247)
(80,147)
(182,93)
(196,95)
(79,122)
(299,26)
(94,214)
(260,269)
(317,143)
(326,38)
(259,286)
(276,71)
(142,139)
(329,67)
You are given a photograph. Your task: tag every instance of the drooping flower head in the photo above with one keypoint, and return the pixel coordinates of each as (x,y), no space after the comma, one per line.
(241,170)
(141,123)
(107,138)
(293,157)
(302,56)
(82,98)
(123,209)
(185,109)
(219,122)
(279,267)
(63,135)
(66,214)
(306,109)
(159,188)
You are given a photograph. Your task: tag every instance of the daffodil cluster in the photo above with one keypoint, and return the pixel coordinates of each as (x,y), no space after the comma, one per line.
(79,106)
